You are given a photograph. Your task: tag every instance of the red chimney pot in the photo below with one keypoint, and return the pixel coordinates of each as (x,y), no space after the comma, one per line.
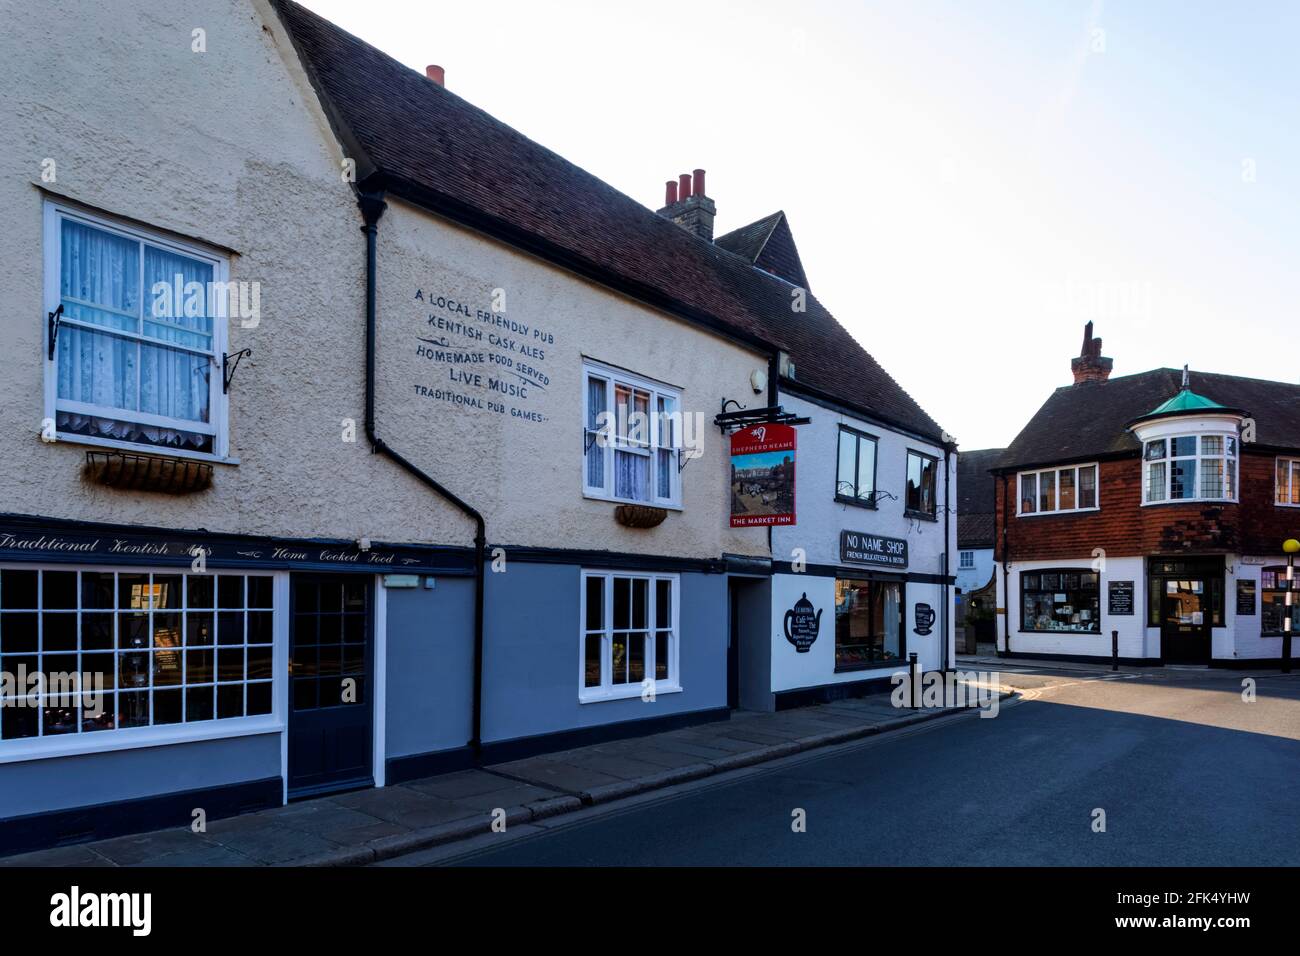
(670,194)
(436,73)
(698,188)
(684,186)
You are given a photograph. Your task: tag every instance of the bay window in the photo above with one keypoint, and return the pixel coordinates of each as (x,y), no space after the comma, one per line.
(855,472)
(1287,487)
(1190,468)
(1064,599)
(1053,490)
(139,339)
(632,438)
(629,634)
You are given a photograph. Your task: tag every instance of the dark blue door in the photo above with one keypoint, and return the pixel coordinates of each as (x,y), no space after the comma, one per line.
(330,706)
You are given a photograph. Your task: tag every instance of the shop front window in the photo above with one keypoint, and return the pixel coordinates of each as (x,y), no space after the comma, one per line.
(868,623)
(1273,588)
(98,651)
(1060,600)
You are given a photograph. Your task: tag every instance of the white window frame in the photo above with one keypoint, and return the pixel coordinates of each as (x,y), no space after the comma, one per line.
(1293,473)
(218,412)
(129,738)
(608,690)
(613,377)
(1056,495)
(1231,467)
(966,560)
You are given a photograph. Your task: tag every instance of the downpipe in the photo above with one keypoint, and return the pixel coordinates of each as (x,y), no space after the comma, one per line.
(372,208)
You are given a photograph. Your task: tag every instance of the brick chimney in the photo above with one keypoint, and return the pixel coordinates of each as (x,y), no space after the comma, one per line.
(686,204)
(1091,365)
(436,73)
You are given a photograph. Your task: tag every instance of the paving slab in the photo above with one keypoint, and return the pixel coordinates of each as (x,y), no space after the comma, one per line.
(553,774)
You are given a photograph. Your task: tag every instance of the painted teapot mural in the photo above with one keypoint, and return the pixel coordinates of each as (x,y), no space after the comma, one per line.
(802,625)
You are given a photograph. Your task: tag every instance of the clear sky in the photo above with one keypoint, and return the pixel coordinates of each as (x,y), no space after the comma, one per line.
(968,183)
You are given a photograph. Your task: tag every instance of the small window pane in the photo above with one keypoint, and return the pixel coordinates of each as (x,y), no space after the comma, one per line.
(1183,447)
(1212,478)
(595,603)
(1211,445)
(59,590)
(230,591)
(1182,478)
(1155,450)
(591,661)
(1088,487)
(866,468)
(1028,494)
(622,602)
(845,476)
(663,603)
(18,590)
(1047,491)
(640,603)
(1067,489)
(1155,490)
(97,589)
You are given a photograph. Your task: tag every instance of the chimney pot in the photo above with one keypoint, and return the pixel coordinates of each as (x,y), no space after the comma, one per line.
(1091,365)
(698,188)
(670,193)
(684,187)
(436,73)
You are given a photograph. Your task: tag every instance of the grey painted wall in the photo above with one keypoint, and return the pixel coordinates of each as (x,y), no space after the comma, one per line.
(60,783)
(430,670)
(531,654)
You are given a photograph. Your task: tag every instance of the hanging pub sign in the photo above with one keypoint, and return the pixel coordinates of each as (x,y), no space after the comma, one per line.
(762,475)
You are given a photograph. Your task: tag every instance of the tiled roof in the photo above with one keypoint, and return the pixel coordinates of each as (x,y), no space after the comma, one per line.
(975,531)
(422,142)
(975,493)
(1091,419)
(748,241)
(769,245)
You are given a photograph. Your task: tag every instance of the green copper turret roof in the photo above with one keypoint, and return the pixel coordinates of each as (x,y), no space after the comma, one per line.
(1185,401)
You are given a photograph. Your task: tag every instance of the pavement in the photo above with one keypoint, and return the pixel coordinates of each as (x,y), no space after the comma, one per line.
(1084,767)
(372,825)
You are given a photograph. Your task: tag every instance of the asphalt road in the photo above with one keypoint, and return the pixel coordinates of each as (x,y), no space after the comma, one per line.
(1186,772)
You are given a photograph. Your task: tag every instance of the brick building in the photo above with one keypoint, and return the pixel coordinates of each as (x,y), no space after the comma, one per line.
(1153,505)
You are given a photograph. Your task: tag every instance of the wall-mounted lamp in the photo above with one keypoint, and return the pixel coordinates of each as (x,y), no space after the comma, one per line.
(758,380)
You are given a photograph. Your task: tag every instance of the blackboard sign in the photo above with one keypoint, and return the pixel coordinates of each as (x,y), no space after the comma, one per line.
(1246,598)
(1120,597)
(861,548)
(924,617)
